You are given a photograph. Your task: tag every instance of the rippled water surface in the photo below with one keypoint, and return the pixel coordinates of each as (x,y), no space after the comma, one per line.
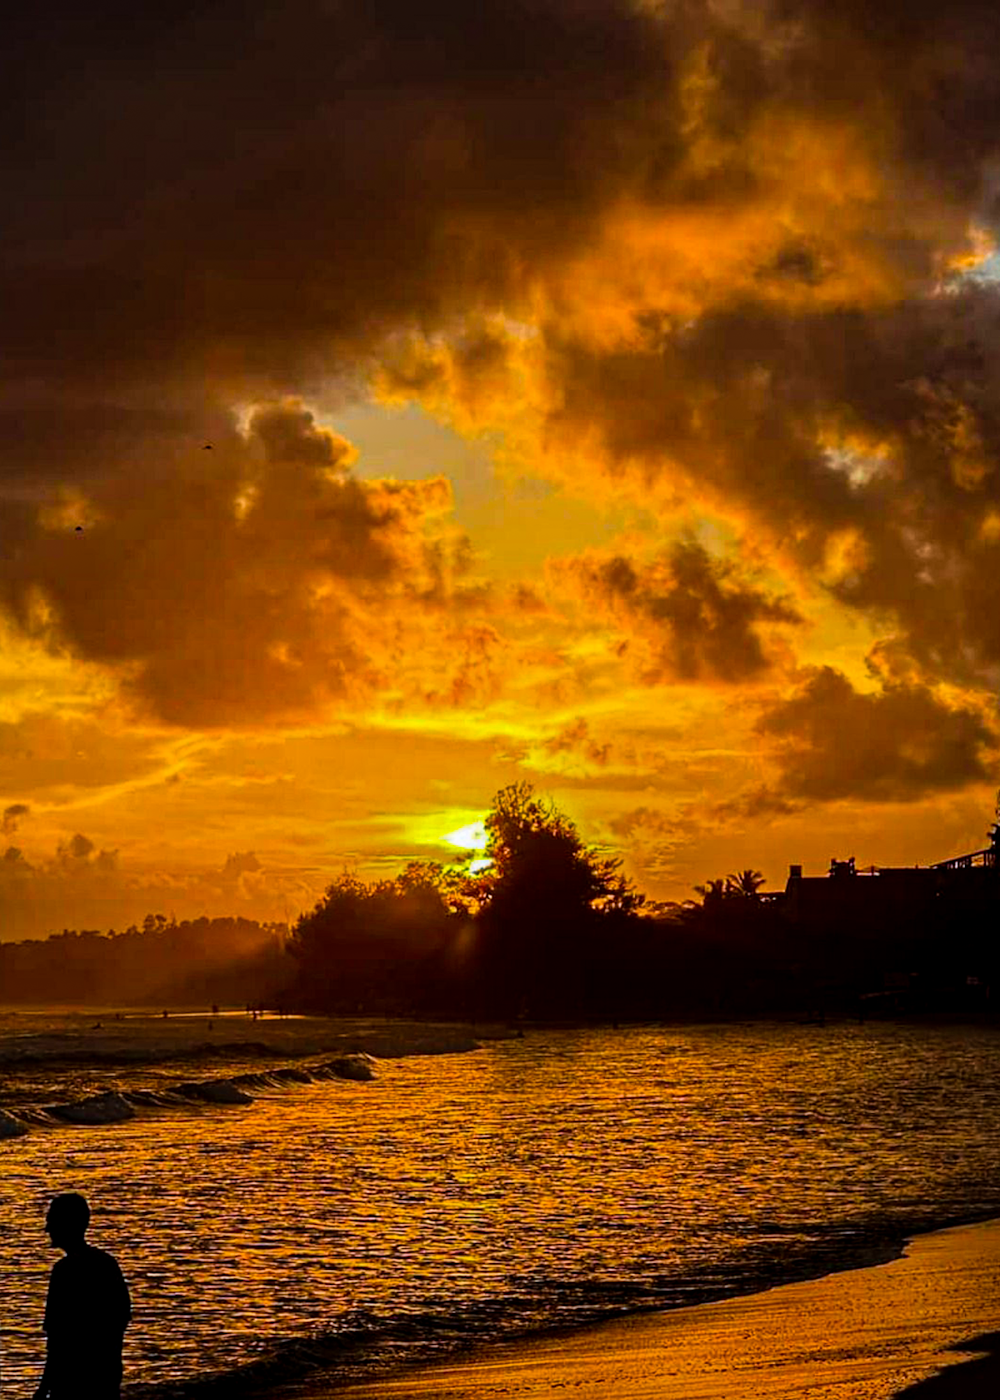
(550,1179)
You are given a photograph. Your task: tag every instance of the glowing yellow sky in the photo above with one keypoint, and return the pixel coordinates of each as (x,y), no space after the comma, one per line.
(603,397)
(656,773)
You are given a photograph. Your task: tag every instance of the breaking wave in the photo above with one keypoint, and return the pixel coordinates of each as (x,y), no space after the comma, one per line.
(58,1049)
(546,1182)
(121,1105)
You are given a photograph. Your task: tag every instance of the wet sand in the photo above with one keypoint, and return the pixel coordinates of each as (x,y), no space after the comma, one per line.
(865,1334)
(976,1380)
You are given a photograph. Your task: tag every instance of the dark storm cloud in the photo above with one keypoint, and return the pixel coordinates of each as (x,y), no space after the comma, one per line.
(241,188)
(224,203)
(575,741)
(261,586)
(810,368)
(904,742)
(868,444)
(698,617)
(240,863)
(77,851)
(219,202)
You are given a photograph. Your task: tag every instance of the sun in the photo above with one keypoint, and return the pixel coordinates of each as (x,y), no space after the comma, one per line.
(470,838)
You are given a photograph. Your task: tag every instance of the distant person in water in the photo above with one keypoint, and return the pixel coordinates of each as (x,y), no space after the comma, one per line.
(86,1313)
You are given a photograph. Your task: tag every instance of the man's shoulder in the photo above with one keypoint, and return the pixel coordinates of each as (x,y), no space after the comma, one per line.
(101,1260)
(89,1262)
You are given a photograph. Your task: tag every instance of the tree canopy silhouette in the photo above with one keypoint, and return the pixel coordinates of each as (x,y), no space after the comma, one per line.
(386,946)
(525,935)
(549,928)
(547,904)
(194,961)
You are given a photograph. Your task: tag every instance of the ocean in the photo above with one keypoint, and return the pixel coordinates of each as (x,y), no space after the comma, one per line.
(277,1220)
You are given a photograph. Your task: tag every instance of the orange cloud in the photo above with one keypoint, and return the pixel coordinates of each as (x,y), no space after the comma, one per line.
(903,742)
(705,258)
(686,240)
(12,816)
(80,886)
(264,581)
(692,617)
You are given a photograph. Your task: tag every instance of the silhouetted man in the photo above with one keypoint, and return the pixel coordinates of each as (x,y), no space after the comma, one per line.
(86,1313)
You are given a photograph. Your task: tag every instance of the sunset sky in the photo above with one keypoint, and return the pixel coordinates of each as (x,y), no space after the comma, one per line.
(599,394)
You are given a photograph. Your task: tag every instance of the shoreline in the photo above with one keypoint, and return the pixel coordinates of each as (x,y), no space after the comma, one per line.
(882,1330)
(977,1378)
(341,1374)
(465,1318)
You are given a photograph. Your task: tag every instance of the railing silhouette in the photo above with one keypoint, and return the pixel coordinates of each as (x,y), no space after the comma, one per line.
(989,857)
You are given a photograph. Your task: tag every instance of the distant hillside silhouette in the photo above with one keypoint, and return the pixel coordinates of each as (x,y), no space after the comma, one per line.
(552,929)
(194,961)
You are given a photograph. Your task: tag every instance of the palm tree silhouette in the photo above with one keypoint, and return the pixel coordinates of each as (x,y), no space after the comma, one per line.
(745,883)
(712,893)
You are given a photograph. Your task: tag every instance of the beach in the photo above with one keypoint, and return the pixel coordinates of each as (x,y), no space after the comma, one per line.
(908,1328)
(281,1225)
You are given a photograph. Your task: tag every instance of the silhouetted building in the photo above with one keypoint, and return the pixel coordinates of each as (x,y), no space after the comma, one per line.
(907,937)
(889,892)
(895,892)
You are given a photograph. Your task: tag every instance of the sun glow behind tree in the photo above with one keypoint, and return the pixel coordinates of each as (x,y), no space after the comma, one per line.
(471,838)
(517,512)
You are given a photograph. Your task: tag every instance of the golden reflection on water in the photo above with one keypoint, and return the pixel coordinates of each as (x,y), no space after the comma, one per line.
(548,1178)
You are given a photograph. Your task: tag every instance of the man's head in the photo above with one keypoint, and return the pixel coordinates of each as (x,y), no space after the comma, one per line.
(67,1220)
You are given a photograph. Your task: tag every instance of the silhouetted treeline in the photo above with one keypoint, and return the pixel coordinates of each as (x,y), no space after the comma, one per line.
(553,930)
(529,935)
(545,927)
(194,961)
